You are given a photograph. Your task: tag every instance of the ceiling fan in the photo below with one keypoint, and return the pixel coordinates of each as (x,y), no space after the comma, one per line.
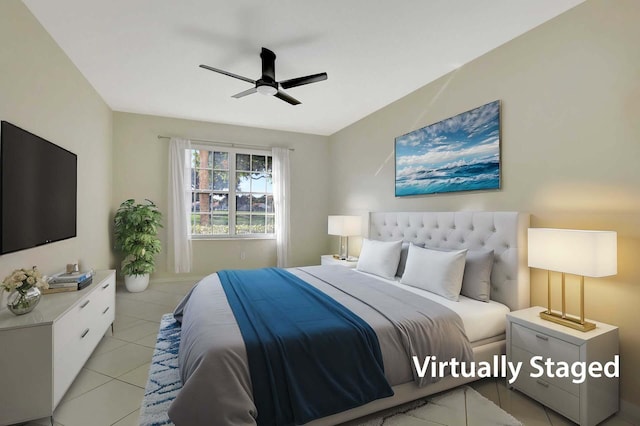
(267,84)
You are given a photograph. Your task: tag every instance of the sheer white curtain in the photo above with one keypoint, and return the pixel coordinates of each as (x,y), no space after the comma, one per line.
(281,194)
(178,228)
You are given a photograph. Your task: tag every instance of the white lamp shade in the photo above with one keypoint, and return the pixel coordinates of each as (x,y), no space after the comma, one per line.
(345,226)
(587,253)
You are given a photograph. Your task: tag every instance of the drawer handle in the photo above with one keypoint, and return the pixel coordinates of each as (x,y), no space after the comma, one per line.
(84,333)
(104,287)
(85,304)
(105,310)
(541,337)
(542,383)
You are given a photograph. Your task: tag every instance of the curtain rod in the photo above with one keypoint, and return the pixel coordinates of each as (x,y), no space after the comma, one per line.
(230,144)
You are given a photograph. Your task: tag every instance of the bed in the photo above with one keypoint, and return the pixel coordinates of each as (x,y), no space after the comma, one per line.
(219,387)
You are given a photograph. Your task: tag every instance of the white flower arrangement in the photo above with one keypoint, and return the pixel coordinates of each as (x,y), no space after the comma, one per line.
(23,279)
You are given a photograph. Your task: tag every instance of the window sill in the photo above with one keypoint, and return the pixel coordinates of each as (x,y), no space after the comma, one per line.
(232,238)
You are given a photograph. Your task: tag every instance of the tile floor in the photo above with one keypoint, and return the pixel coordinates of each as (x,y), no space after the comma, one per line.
(109,389)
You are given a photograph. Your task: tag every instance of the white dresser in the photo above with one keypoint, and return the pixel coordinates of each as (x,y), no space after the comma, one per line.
(42,352)
(586,403)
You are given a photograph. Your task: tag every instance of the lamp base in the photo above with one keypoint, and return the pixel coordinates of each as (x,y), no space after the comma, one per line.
(567,321)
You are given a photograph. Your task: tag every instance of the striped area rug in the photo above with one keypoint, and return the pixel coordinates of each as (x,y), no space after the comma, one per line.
(460,406)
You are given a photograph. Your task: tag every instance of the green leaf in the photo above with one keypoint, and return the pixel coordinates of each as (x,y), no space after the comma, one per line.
(136,236)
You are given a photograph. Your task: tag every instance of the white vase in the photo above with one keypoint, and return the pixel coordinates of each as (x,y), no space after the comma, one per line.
(136,283)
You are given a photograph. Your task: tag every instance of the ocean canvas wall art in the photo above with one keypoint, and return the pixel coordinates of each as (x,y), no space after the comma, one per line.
(461,153)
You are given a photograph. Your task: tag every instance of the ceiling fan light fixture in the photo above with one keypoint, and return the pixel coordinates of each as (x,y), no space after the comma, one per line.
(267,90)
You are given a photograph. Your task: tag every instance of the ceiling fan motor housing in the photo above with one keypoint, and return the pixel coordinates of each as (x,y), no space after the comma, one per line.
(267,85)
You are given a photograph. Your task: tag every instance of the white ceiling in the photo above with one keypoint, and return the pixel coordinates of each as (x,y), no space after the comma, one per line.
(142,55)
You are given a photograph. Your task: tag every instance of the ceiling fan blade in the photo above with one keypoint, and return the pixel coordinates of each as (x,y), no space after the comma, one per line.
(295,82)
(268,65)
(230,74)
(245,93)
(286,98)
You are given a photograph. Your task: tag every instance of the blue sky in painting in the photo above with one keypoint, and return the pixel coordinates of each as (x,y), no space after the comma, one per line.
(460,153)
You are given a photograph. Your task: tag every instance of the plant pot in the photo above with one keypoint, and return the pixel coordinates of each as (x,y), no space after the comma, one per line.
(136,283)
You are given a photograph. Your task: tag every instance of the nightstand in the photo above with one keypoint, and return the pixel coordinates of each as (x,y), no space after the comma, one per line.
(328,259)
(587,403)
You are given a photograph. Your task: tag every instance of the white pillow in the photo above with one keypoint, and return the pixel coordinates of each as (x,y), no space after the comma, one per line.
(379,257)
(403,257)
(439,272)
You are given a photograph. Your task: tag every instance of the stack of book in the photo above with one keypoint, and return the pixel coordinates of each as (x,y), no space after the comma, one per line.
(69,282)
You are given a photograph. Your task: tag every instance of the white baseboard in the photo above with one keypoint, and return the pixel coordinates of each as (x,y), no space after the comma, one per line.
(629,412)
(177,279)
(163,280)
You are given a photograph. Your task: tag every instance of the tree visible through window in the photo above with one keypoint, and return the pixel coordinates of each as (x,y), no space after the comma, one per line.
(232,193)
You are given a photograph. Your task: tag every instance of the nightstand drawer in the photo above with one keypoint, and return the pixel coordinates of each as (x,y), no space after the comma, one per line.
(541,344)
(587,403)
(548,394)
(564,383)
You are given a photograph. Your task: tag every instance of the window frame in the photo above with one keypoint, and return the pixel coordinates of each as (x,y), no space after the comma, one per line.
(232,235)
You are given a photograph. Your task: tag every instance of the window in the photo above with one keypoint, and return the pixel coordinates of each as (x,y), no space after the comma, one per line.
(231,193)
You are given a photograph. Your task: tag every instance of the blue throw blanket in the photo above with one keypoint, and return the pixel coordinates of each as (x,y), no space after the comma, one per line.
(309,356)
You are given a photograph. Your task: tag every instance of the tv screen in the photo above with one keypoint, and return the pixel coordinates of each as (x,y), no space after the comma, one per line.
(38,182)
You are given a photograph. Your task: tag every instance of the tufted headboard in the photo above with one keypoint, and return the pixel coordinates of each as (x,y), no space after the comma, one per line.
(503,232)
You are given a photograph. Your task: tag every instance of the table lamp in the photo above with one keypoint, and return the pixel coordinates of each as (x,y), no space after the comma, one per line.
(345,227)
(583,253)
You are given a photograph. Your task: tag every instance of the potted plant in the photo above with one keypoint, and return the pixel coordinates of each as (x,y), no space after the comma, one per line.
(136,237)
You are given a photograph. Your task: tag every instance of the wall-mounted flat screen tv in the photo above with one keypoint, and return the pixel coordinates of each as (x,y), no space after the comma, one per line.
(38,182)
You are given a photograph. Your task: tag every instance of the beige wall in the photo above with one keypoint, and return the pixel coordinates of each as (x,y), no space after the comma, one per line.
(43,92)
(570,92)
(140,171)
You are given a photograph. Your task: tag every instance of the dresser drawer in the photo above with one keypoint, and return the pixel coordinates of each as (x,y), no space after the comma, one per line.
(105,302)
(541,344)
(75,335)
